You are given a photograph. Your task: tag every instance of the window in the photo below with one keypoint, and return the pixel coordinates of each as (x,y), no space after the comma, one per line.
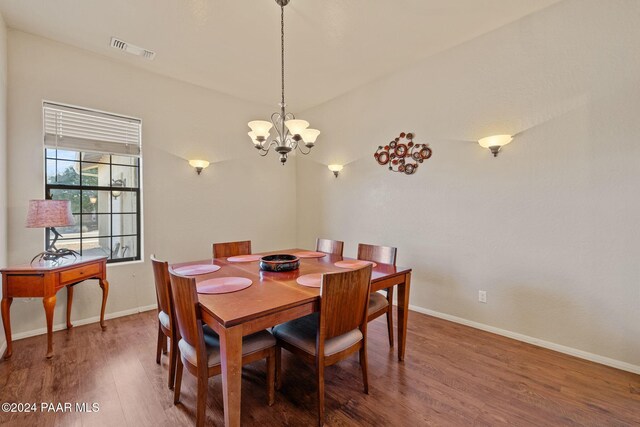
(93,159)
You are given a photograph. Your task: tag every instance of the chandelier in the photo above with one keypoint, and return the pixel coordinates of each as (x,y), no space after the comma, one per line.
(290,132)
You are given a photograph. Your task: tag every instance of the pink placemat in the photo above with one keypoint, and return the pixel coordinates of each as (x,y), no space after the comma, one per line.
(309,254)
(310,280)
(244,258)
(194,270)
(353,263)
(223,285)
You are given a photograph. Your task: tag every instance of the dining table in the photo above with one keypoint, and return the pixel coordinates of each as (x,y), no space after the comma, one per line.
(274,298)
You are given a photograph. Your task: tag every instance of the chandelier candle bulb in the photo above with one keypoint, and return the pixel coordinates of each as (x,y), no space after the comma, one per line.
(199,165)
(296,127)
(260,128)
(495,143)
(309,136)
(254,138)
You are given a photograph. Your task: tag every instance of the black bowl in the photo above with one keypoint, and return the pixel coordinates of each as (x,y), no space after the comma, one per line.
(279,262)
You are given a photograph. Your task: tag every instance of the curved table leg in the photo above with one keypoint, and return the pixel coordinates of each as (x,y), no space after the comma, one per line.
(6,321)
(104,284)
(49,304)
(69,303)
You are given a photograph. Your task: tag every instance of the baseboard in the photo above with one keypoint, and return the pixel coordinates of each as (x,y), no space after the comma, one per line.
(95,319)
(531,340)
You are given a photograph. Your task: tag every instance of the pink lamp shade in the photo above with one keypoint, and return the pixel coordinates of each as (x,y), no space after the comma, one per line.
(49,213)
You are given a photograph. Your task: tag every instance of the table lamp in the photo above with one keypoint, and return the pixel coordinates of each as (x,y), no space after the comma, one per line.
(50,214)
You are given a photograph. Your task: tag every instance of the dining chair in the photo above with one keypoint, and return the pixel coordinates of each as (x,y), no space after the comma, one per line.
(199,346)
(328,246)
(166,317)
(335,332)
(228,249)
(378,304)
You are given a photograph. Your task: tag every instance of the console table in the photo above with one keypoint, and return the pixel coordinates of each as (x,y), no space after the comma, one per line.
(43,280)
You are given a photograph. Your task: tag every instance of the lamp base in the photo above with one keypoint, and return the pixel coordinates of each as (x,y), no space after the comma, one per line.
(54,255)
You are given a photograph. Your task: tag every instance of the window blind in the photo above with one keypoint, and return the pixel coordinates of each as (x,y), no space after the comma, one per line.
(78,129)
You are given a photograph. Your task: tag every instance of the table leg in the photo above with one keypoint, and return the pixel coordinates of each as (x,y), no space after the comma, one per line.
(69,303)
(49,305)
(231,357)
(403,314)
(6,321)
(104,284)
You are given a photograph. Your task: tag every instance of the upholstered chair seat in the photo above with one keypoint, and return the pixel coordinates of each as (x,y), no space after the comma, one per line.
(164,319)
(302,333)
(377,301)
(259,341)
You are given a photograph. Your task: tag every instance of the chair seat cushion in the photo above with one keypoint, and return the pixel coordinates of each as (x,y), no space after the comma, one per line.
(377,302)
(164,319)
(250,344)
(302,333)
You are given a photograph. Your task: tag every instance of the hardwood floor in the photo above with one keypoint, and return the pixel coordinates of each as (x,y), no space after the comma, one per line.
(453,375)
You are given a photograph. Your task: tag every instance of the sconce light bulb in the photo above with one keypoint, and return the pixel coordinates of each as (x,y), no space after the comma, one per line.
(335,169)
(495,143)
(199,165)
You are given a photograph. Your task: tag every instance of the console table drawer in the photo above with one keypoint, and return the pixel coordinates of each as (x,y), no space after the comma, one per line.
(79,274)
(25,286)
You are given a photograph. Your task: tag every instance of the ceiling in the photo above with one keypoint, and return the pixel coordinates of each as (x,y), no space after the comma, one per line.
(332,46)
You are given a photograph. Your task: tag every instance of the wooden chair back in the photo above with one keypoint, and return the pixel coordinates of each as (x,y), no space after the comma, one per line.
(344,301)
(377,254)
(227,249)
(163,286)
(187,310)
(328,246)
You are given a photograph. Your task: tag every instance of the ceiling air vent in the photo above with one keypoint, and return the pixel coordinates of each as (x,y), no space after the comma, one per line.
(132,49)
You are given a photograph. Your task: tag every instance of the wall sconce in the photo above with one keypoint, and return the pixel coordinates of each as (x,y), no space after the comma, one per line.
(335,169)
(199,165)
(93,200)
(117,183)
(495,143)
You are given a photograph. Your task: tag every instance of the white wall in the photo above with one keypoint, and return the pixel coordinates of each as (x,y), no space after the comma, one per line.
(3,150)
(237,197)
(549,228)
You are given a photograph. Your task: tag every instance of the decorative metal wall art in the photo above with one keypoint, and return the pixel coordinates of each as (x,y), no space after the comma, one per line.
(402,154)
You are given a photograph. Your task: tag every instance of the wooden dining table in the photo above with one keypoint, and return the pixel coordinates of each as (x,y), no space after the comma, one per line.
(274,298)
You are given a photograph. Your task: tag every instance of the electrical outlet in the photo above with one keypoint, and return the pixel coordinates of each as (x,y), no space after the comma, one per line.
(482,296)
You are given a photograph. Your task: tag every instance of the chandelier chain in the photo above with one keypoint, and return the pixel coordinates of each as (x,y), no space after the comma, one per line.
(282,48)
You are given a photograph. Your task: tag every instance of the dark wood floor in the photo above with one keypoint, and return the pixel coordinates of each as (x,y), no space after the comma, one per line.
(453,375)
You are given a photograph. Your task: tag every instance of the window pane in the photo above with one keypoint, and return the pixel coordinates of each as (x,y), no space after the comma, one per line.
(124,224)
(72,195)
(124,160)
(67,155)
(125,202)
(90,173)
(124,247)
(63,172)
(73,244)
(95,157)
(94,225)
(72,230)
(125,176)
(94,246)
